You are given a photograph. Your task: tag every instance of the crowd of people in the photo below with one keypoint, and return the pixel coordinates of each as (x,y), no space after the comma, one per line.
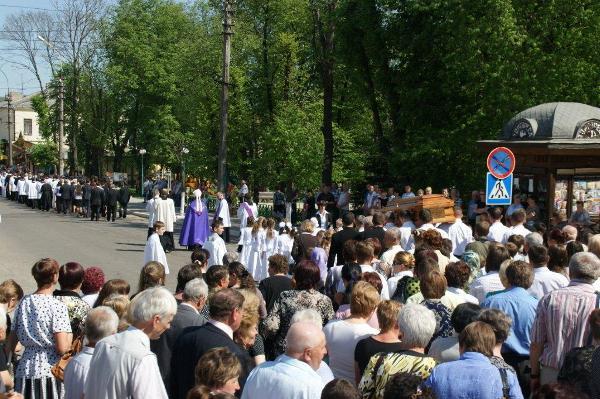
(83,197)
(382,305)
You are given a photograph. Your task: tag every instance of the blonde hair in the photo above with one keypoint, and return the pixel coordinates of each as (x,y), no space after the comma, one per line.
(307,226)
(364,299)
(249,315)
(257,225)
(270,225)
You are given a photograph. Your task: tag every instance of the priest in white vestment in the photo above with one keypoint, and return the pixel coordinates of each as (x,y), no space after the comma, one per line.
(222,212)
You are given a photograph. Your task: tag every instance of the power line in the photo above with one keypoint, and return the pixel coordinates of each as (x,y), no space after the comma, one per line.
(28,7)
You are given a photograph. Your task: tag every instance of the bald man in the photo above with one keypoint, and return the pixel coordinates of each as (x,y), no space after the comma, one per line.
(293,374)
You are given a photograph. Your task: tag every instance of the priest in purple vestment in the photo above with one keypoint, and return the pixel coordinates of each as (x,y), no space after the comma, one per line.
(195,229)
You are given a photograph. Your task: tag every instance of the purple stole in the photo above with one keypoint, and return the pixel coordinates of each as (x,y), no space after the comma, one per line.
(248,209)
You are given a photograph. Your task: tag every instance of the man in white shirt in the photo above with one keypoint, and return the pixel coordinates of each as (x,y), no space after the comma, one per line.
(497,229)
(222,212)
(544,280)
(517,219)
(343,201)
(123,366)
(100,322)
(460,234)
(293,374)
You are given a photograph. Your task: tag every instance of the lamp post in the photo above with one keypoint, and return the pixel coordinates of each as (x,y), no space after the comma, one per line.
(142,152)
(184,152)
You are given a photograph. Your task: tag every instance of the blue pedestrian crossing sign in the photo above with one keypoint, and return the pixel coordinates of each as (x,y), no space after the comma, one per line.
(498,191)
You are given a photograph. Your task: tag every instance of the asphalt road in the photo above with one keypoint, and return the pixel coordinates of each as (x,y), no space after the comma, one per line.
(28,235)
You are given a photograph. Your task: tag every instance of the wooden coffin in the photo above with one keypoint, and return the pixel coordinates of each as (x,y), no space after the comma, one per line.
(441,208)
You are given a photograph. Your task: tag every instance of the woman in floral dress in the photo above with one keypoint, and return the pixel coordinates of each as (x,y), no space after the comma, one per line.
(42,327)
(305,296)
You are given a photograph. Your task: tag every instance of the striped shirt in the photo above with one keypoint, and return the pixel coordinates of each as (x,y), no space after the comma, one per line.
(561,321)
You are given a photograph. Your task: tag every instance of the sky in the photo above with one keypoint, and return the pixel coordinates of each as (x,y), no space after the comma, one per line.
(18,78)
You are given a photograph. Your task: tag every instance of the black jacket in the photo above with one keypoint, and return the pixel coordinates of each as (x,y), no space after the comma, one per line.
(191,344)
(163,347)
(124,195)
(87,192)
(97,196)
(65,191)
(111,197)
(337,245)
(375,232)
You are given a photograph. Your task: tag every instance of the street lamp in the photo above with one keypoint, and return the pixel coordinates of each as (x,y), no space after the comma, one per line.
(142,152)
(184,152)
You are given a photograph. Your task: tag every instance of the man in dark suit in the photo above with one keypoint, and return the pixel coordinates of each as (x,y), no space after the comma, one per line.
(225,309)
(66,197)
(112,196)
(124,197)
(96,200)
(377,231)
(339,239)
(188,315)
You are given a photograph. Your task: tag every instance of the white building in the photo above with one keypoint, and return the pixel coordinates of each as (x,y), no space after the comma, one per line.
(23,119)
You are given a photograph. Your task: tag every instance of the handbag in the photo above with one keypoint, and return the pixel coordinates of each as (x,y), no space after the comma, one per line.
(58,370)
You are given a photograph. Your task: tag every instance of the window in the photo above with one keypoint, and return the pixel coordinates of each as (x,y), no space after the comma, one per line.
(27,127)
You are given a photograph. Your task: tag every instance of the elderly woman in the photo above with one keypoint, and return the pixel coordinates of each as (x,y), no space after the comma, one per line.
(473,376)
(70,278)
(42,326)
(417,325)
(306,279)
(343,335)
(246,336)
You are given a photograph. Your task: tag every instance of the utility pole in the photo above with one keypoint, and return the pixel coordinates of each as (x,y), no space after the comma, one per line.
(10,150)
(61,125)
(227,33)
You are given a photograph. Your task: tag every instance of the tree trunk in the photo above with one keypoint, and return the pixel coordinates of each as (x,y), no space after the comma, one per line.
(323,42)
(266,63)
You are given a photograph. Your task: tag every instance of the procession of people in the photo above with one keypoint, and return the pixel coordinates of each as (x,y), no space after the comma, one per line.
(332,299)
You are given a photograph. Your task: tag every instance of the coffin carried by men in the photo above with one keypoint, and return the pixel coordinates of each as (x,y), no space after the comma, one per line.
(441,208)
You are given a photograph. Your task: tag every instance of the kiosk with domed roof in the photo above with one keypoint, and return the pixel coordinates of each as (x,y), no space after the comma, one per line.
(557,150)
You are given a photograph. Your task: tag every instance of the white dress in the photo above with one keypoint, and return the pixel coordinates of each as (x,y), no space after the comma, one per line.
(153,251)
(257,245)
(284,247)
(263,261)
(245,242)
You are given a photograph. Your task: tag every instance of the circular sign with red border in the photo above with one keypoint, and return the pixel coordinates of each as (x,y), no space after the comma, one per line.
(501,162)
